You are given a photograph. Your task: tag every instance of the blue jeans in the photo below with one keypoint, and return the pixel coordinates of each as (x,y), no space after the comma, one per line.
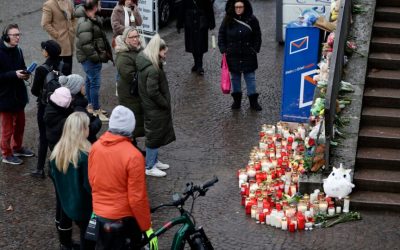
(250,79)
(93,79)
(151,157)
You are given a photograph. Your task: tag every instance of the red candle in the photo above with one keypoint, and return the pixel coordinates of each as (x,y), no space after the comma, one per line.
(301,221)
(262,134)
(261,218)
(278,206)
(290,139)
(279,194)
(248,208)
(292,228)
(243,200)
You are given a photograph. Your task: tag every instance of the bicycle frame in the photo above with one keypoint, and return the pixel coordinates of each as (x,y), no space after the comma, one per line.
(179,238)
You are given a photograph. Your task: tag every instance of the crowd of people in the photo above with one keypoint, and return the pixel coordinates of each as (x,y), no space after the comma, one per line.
(103,179)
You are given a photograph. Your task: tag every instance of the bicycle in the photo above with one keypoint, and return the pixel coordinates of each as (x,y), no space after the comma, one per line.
(188,232)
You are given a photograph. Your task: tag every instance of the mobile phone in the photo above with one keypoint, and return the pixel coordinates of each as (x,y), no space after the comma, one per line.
(30,69)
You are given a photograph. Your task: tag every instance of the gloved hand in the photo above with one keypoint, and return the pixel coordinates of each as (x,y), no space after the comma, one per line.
(153,240)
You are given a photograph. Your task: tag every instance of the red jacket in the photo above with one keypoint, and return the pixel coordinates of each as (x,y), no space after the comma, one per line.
(117,178)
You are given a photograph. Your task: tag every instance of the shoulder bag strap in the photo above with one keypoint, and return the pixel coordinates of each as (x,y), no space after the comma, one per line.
(243,23)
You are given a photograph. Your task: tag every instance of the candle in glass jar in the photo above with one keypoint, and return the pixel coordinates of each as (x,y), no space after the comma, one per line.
(331,211)
(253,211)
(293,189)
(284,224)
(338,209)
(346,204)
(323,206)
(292,227)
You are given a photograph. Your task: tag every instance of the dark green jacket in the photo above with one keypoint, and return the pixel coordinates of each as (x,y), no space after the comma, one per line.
(73,189)
(156,101)
(91,41)
(126,66)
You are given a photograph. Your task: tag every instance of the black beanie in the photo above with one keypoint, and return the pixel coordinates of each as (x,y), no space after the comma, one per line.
(52,48)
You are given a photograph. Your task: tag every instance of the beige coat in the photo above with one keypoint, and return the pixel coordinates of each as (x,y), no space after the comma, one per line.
(60,26)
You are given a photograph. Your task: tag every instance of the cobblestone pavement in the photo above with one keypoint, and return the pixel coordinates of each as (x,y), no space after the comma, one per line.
(211,140)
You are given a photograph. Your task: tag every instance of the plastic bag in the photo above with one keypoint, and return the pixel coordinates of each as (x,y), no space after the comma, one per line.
(225,77)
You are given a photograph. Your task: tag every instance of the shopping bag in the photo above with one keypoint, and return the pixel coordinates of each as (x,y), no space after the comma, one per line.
(225,78)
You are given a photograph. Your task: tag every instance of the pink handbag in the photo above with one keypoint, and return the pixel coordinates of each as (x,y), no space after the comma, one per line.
(225,77)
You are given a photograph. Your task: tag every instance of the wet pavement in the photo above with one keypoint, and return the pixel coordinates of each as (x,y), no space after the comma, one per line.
(211,140)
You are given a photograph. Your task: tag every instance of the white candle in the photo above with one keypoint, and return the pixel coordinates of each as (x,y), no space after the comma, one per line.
(331,211)
(213,41)
(346,205)
(268,219)
(302,208)
(338,209)
(323,207)
(284,224)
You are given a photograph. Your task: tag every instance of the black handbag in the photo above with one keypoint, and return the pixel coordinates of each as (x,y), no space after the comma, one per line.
(134,88)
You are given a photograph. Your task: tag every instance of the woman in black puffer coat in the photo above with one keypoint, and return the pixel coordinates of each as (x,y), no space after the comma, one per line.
(239,38)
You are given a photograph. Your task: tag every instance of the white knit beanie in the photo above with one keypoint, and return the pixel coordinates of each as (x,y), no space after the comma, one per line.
(122,119)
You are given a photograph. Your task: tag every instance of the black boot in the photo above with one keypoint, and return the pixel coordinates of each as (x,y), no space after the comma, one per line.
(198,58)
(65,237)
(38,173)
(237,100)
(254,103)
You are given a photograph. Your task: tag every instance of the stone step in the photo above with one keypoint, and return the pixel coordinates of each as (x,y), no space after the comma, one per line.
(385,44)
(379,136)
(375,200)
(379,180)
(382,97)
(386,29)
(389,3)
(378,116)
(387,13)
(378,158)
(383,78)
(383,60)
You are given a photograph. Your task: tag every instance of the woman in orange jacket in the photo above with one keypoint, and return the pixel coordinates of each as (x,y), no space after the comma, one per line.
(117,178)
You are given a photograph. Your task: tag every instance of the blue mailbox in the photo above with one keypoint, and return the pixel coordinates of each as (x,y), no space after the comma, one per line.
(300,65)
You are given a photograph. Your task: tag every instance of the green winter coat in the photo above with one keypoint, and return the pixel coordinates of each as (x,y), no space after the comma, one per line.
(73,189)
(91,41)
(126,66)
(156,101)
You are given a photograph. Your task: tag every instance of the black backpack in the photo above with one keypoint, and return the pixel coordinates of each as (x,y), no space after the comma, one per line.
(51,82)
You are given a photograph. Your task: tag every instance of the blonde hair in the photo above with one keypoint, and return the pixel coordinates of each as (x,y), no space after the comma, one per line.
(153,48)
(73,140)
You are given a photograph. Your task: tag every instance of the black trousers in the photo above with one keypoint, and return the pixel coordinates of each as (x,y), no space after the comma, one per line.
(67,69)
(43,144)
(121,234)
(198,60)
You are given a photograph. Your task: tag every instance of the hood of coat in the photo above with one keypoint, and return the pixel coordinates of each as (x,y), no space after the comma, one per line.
(142,62)
(120,45)
(109,139)
(230,8)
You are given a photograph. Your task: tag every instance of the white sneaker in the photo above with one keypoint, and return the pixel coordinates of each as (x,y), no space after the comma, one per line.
(161,166)
(155,172)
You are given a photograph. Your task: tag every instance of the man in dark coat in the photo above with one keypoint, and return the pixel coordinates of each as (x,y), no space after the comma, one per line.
(13,96)
(197,17)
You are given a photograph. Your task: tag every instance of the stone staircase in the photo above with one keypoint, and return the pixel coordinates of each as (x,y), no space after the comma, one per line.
(377,171)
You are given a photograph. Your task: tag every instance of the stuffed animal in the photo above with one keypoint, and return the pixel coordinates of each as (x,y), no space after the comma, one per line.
(338,184)
(335,7)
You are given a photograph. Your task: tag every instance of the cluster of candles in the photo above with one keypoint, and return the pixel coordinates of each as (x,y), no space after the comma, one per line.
(270,180)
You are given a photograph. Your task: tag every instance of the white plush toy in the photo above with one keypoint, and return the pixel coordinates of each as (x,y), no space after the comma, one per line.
(338,184)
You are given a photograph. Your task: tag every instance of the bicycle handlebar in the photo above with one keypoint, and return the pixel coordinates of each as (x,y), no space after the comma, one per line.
(190,191)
